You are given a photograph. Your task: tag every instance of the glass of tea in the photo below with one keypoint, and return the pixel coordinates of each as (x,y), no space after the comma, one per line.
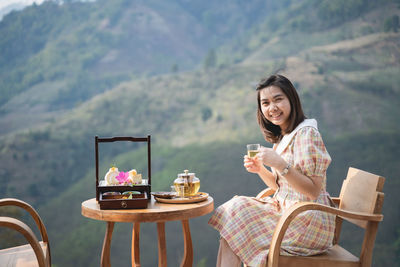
(252,150)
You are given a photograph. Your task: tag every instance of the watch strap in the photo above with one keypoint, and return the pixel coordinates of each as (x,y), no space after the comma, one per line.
(285,170)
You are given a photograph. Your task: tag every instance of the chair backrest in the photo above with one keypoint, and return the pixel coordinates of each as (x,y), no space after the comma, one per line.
(362,192)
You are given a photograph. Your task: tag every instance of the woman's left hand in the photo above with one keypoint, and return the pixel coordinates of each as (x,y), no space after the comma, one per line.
(269,157)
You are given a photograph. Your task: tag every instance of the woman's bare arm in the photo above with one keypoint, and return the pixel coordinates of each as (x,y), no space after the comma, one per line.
(309,186)
(255,166)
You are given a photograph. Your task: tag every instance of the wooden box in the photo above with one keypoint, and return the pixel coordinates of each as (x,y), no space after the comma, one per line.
(138,201)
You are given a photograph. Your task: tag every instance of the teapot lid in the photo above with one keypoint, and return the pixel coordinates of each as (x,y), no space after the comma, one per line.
(186,174)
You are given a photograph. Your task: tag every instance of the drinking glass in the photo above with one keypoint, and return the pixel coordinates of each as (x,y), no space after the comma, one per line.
(173,190)
(252,150)
(181,191)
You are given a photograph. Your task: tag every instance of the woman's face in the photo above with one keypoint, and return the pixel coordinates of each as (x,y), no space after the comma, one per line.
(275,106)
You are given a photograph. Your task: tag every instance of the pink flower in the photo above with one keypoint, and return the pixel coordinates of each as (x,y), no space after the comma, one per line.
(122,177)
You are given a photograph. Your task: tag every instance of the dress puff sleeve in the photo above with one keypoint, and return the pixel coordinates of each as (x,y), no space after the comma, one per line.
(309,153)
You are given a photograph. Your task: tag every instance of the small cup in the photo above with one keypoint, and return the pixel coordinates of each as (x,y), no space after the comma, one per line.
(253,149)
(173,190)
(181,191)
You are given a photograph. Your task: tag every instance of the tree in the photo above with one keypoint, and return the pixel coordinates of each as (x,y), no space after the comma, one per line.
(210,60)
(391,24)
(206,113)
(395,23)
(387,24)
(174,68)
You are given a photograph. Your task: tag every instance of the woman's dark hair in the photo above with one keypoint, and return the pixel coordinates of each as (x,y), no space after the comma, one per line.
(273,133)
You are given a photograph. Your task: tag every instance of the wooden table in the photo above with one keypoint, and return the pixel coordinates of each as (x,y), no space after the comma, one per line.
(155,212)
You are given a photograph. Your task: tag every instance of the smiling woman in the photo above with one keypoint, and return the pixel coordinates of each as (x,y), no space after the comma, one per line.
(278,90)
(298,163)
(275,106)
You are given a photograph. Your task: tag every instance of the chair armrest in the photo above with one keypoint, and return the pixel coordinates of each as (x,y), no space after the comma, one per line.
(298,208)
(33,213)
(336,201)
(266,192)
(27,233)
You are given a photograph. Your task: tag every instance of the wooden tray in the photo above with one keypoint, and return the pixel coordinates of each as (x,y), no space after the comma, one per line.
(201,196)
(164,194)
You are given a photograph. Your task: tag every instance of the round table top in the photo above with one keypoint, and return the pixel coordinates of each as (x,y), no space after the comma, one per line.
(155,212)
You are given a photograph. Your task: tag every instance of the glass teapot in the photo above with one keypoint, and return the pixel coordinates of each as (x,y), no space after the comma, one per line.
(187,184)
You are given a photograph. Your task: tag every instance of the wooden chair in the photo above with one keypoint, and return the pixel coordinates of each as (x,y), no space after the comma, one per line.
(36,253)
(360,202)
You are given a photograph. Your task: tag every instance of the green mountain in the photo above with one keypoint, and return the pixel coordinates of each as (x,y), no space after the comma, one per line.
(185,73)
(82,49)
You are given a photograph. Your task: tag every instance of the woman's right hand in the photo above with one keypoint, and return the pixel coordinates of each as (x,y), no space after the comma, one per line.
(252,164)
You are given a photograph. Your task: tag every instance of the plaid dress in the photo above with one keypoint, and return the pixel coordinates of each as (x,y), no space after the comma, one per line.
(247,224)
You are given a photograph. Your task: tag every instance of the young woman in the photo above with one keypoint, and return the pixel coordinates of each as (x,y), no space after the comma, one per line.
(298,162)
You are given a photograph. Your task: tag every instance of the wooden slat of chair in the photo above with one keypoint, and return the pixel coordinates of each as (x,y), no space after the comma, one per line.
(359,193)
(360,202)
(323,260)
(266,192)
(21,256)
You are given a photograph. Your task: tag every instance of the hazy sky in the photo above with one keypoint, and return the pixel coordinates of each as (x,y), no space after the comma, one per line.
(5,3)
(6,6)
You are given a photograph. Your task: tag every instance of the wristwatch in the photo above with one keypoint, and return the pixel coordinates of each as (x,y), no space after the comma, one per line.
(286,169)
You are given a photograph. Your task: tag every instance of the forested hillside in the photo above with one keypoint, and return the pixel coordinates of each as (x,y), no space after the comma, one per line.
(185,72)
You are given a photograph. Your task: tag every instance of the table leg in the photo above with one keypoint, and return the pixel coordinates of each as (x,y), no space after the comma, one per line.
(162,249)
(135,245)
(105,253)
(187,260)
